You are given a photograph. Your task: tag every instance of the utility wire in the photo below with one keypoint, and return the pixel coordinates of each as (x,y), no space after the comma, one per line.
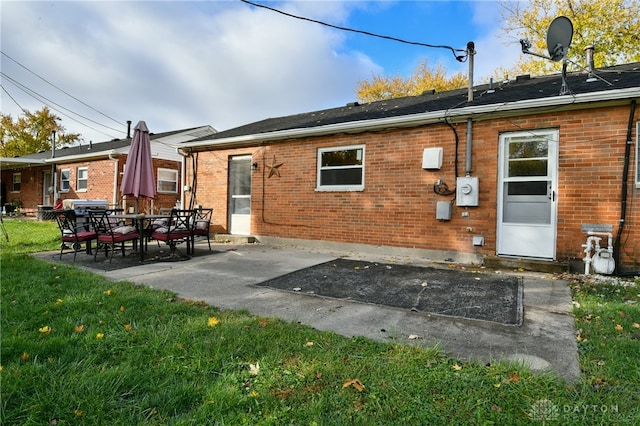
(459,58)
(12,98)
(40,98)
(68,94)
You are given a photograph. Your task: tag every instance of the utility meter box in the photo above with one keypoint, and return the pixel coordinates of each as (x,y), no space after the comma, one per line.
(443,210)
(467,190)
(432,158)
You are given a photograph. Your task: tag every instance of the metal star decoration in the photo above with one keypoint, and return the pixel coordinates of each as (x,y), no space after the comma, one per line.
(274,168)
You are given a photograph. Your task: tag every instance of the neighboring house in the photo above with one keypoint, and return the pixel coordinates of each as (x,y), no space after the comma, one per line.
(517,170)
(94,172)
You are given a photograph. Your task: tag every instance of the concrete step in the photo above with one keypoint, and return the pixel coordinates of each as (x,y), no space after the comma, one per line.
(545,266)
(234,239)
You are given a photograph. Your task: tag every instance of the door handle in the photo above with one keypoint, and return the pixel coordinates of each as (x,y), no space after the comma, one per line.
(552,195)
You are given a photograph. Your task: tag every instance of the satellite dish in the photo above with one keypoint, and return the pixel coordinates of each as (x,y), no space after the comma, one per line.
(559,38)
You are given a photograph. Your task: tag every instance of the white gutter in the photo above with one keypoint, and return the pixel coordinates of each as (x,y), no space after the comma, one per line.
(72,158)
(461,114)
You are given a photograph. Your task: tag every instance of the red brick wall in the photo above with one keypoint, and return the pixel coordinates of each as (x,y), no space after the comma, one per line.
(398,205)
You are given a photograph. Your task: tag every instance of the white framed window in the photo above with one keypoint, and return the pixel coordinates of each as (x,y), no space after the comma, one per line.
(637,154)
(341,168)
(83,178)
(65,176)
(17,182)
(167,181)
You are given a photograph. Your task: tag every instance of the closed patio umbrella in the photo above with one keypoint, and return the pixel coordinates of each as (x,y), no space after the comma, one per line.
(138,180)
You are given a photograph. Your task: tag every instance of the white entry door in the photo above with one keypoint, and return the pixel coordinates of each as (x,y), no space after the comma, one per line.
(527,194)
(240,195)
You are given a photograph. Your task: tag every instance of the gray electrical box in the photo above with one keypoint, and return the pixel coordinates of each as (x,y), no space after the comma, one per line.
(467,191)
(443,210)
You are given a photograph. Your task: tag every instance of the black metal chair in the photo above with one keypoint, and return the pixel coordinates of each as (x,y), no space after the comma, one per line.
(201,225)
(177,230)
(73,233)
(111,234)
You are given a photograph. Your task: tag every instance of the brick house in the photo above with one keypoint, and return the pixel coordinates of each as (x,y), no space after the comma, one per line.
(513,170)
(94,172)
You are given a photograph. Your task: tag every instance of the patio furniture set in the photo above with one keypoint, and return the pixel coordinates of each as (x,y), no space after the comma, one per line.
(111,230)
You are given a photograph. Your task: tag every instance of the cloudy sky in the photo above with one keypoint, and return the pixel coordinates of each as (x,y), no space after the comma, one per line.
(182,64)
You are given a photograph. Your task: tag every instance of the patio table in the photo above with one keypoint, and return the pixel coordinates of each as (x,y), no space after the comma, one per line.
(138,220)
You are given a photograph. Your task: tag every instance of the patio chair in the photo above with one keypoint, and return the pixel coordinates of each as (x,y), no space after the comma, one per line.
(176,231)
(201,225)
(112,235)
(73,233)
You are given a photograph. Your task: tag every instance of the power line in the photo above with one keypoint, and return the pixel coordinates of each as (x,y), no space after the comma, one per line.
(459,58)
(68,94)
(12,98)
(40,98)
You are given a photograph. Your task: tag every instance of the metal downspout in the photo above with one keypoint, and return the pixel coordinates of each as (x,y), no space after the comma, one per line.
(625,181)
(114,198)
(183,171)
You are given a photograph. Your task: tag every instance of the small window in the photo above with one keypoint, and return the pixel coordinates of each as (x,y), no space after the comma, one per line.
(167,181)
(83,178)
(341,168)
(65,175)
(17,182)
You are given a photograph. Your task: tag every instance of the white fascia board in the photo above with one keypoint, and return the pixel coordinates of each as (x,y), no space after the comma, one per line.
(494,110)
(7,163)
(81,157)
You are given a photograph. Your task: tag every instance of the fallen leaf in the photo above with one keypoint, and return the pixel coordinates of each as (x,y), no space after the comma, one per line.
(46,329)
(100,336)
(413,337)
(24,356)
(121,308)
(262,322)
(495,407)
(514,377)
(59,302)
(356,383)
(318,375)
(213,321)
(78,328)
(456,367)
(308,344)
(127,327)
(254,369)
(108,292)
(619,327)
(635,325)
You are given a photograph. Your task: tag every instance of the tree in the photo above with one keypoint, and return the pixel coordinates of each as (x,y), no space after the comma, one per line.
(31,133)
(423,79)
(612,26)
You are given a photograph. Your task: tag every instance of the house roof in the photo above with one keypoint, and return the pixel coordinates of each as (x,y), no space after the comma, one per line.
(610,84)
(163,145)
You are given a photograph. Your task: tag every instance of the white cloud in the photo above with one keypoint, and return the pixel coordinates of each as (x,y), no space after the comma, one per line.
(179,64)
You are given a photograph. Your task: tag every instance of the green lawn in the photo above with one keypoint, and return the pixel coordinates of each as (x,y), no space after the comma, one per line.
(79,349)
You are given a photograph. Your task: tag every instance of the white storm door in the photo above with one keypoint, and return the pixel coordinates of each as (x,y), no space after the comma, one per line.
(240,195)
(47,197)
(527,194)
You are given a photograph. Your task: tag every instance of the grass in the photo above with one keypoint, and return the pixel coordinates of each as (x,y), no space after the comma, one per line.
(80,349)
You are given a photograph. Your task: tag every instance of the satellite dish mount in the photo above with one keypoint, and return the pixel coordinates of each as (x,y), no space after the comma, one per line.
(559,37)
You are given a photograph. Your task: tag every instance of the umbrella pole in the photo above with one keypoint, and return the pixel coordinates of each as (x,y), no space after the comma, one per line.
(140,223)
